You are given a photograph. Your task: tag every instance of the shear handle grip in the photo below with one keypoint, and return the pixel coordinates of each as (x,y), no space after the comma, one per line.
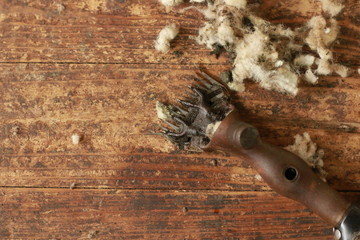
(285,172)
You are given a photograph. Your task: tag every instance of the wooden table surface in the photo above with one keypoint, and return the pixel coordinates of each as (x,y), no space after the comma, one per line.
(89,67)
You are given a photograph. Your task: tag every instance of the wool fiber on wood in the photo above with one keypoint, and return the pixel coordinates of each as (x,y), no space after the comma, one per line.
(269,54)
(306,149)
(166,35)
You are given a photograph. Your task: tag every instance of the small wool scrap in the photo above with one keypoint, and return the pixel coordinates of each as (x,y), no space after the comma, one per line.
(208,14)
(279,63)
(304,60)
(332,7)
(75,138)
(324,67)
(15,130)
(237,86)
(236,3)
(259,178)
(340,70)
(163,111)
(60,7)
(166,35)
(318,39)
(211,128)
(306,149)
(310,77)
(171,3)
(283,80)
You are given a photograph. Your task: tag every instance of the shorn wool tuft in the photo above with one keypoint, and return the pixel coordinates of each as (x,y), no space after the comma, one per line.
(306,149)
(267,53)
(166,35)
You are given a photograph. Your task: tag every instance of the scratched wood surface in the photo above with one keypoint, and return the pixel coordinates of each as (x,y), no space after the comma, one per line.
(89,67)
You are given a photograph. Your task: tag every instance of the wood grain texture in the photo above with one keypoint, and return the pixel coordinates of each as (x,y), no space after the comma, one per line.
(124,214)
(49,103)
(89,67)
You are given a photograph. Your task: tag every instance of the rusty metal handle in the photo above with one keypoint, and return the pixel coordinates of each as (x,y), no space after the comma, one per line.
(285,172)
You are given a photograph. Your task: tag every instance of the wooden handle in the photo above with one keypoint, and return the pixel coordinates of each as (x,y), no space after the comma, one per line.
(285,172)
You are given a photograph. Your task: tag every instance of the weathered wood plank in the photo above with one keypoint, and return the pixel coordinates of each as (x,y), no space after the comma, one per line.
(151,171)
(73,91)
(109,107)
(124,32)
(135,161)
(112,105)
(123,214)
